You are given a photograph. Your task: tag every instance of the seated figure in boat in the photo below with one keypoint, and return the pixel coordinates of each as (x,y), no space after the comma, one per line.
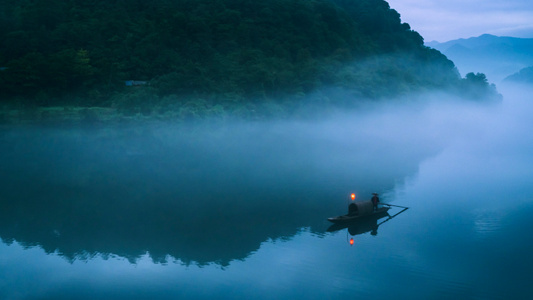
(352,209)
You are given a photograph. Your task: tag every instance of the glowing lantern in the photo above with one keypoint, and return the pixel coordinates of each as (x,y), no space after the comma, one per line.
(351,242)
(353,196)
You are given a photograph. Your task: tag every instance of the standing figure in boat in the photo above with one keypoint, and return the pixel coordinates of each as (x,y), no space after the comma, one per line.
(375,201)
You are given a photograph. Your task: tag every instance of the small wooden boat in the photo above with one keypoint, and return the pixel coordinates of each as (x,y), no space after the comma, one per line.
(358,210)
(352,217)
(360,225)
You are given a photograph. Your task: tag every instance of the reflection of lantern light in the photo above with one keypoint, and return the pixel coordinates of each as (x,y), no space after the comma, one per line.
(353,196)
(351,241)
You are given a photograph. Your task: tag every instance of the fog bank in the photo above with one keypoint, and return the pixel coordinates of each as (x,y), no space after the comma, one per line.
(205,193)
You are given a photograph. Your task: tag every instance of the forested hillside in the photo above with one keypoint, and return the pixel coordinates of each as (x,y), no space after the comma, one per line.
(228,53)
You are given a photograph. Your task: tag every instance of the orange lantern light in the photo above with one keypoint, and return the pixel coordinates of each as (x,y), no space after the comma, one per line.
(353,196)
(351,242)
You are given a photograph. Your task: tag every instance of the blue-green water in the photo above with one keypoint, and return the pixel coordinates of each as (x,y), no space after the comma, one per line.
(239,211)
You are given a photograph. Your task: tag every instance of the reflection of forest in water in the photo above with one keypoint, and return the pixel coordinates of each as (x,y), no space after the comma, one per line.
(198,194)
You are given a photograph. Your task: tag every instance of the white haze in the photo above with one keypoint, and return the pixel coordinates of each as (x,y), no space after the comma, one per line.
(369,148)
(489,160)
(377,146)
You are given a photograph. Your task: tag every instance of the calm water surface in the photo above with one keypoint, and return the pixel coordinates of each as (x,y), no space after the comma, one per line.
(239,211)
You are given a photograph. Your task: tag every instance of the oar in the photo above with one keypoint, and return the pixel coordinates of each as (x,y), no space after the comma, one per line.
(393,205)
(390,218)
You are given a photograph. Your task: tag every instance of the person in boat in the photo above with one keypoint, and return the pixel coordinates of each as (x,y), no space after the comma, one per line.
(375,201)
(352,209)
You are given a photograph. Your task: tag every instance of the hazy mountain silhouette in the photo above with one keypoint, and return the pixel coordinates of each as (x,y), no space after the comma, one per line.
(497,57)
(523,76)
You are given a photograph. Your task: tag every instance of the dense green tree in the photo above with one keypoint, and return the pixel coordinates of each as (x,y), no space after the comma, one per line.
(477,86)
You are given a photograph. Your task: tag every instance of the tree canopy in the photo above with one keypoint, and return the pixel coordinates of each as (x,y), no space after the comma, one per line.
(224,51)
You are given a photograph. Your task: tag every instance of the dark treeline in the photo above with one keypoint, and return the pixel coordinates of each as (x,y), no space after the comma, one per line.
(209,54)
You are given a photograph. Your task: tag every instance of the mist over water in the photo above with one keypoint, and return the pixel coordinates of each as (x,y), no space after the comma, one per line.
(240,209)
(125,187)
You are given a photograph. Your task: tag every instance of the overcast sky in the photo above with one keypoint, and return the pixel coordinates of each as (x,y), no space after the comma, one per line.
(452,19)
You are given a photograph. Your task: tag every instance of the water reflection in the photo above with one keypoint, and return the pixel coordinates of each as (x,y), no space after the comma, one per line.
(198,195)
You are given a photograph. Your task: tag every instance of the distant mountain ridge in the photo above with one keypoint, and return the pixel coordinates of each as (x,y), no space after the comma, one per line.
(524,76)
(497,57)
(482,41)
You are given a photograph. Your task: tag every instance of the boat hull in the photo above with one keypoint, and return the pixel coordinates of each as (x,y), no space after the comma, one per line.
(351,218)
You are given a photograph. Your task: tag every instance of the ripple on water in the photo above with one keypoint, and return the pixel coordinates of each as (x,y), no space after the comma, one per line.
(487,222)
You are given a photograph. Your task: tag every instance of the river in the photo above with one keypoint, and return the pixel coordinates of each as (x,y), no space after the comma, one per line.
(240,211)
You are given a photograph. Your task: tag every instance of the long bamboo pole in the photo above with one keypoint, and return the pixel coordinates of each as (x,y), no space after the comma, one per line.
(393,205)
